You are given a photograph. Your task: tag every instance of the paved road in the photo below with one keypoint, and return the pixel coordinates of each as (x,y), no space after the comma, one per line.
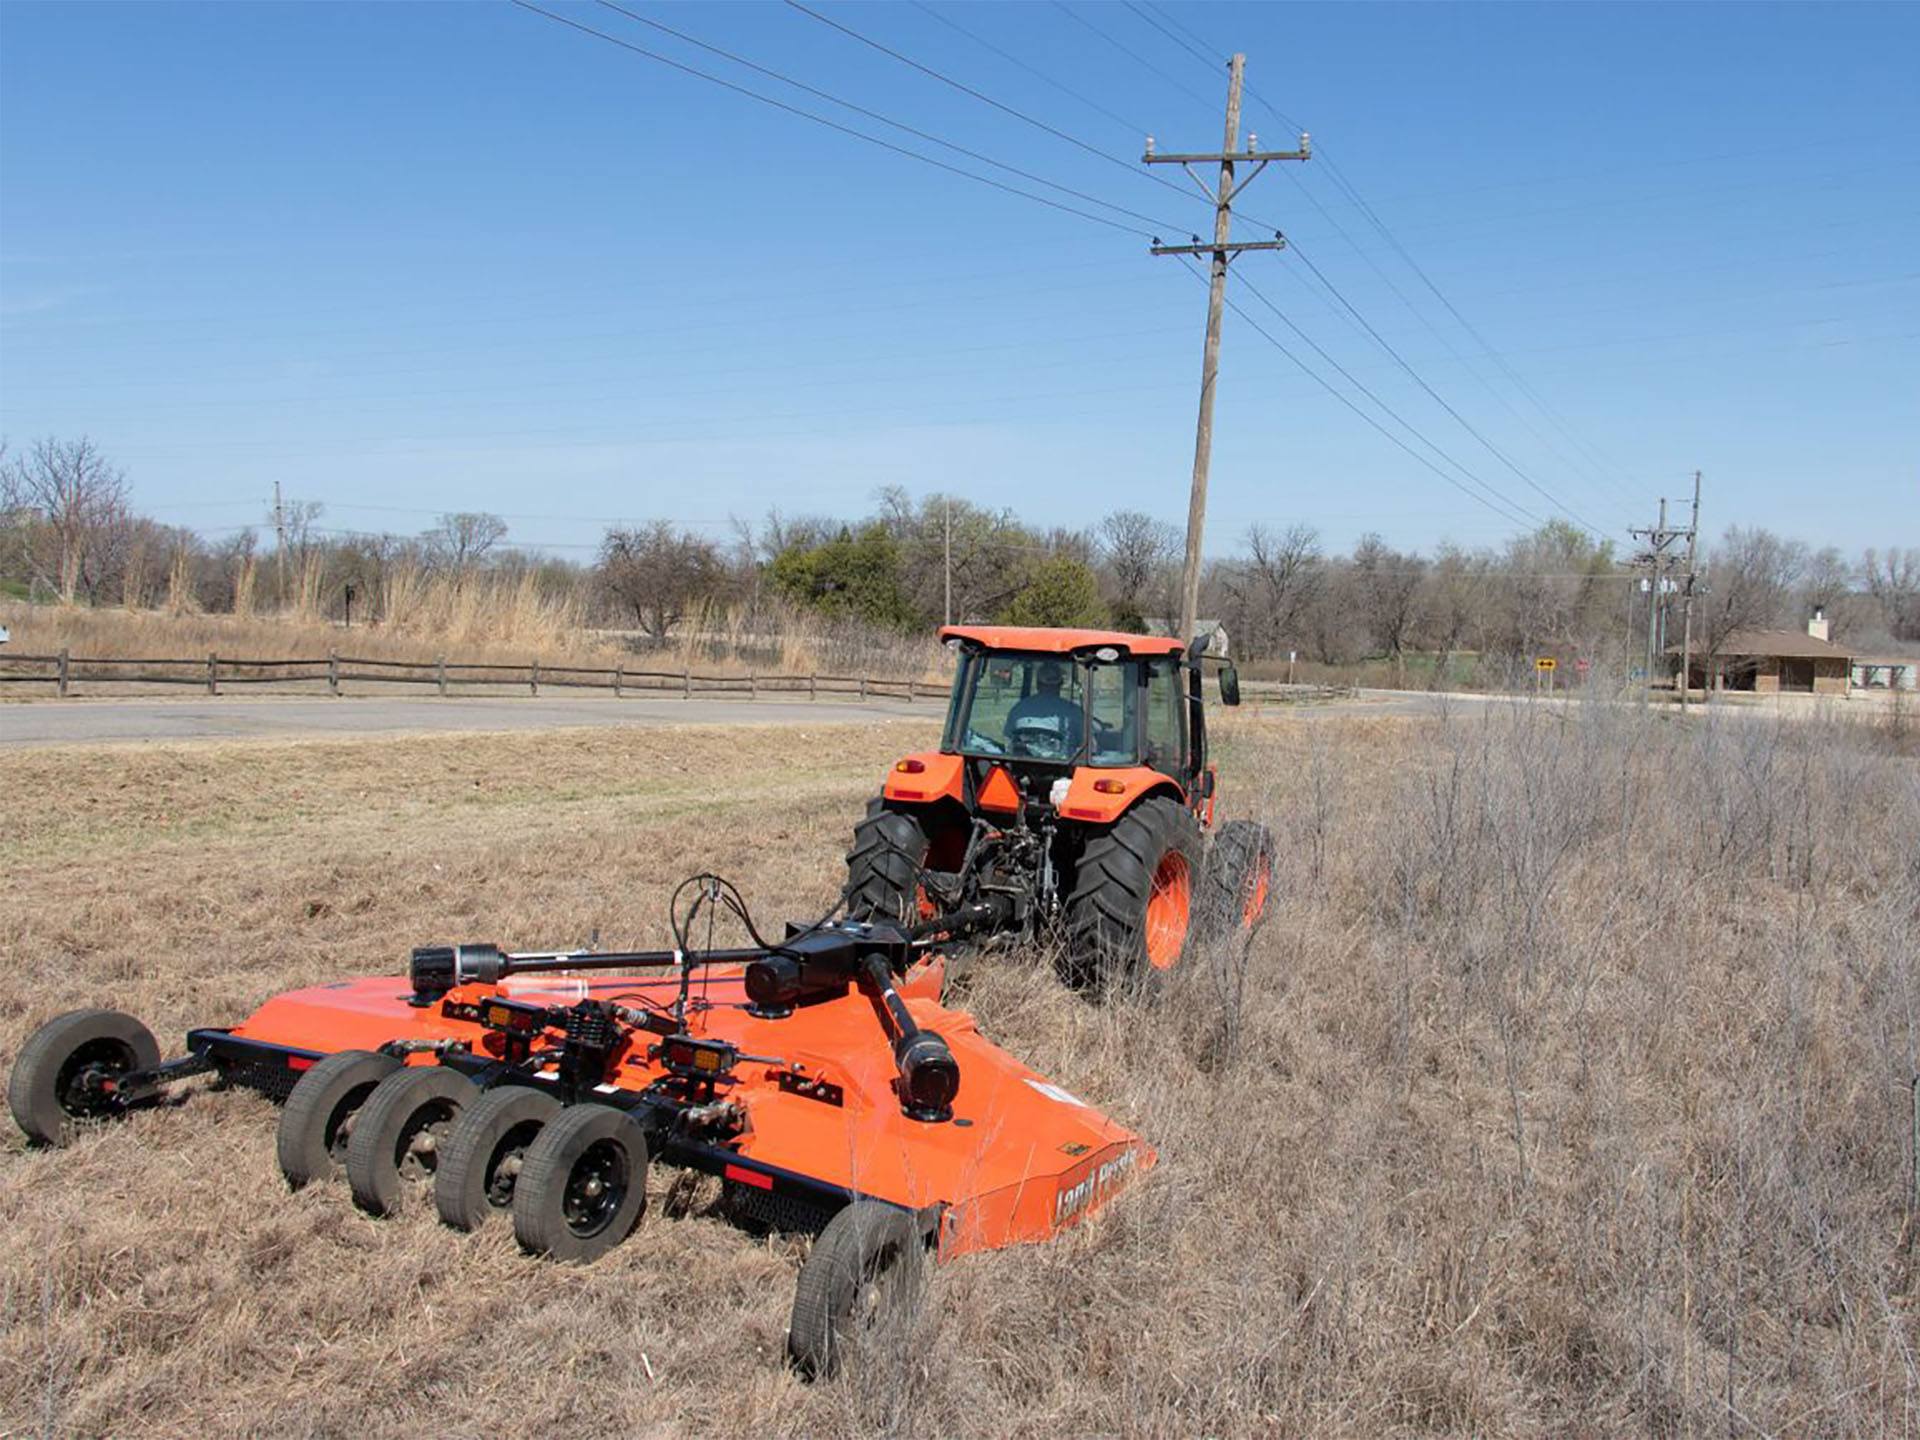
(91,722)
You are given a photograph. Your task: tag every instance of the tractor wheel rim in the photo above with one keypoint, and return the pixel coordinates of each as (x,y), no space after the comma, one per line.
(1257,888)
(1169,909)
(596,1187)
(79,1085)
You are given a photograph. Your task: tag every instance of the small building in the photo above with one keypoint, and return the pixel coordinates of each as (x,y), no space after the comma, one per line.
(1216,645)
(1778,662)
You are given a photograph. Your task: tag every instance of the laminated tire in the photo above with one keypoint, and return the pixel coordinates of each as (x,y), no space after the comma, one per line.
(56,1080)
(583,1185)
(395,1149)
(317,1125)
(481,1162)
(862,1274)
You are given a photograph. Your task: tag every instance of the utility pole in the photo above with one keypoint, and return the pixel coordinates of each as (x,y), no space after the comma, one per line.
(946,546)
(1686,627)
(1222,250)
(1660,540)
(280,541)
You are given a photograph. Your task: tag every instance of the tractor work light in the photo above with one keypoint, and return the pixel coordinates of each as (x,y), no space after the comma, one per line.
(1110,787)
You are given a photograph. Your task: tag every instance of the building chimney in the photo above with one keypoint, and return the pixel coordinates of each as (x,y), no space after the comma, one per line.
(1817,626)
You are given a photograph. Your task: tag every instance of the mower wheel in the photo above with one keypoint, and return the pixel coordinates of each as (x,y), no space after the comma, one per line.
(483,1156)
(862,1273)
(57,1079)
(583,1184)
(1130,912)
(395,1149)
(883,868)
(318,1123)
(1236,879)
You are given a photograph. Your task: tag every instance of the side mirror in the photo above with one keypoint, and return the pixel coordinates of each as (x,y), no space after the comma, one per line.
(1229,685)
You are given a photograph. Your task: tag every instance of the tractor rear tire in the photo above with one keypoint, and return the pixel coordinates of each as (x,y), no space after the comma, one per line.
(583,1186)
(883,868)
(1130,913)
(484,1155)
(862,1272)
(317,1125)
(1236,879)
(47,1091)
(395,1149)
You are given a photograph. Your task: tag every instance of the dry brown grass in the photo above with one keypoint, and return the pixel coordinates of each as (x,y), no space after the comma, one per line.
(1563,1093)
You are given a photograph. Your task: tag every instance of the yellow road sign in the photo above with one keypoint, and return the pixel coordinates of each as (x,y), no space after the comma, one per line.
(1546,662)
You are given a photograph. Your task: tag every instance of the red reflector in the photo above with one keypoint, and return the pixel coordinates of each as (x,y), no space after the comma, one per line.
(748,1177)
(300,1062)
(1074,812)
(908,795)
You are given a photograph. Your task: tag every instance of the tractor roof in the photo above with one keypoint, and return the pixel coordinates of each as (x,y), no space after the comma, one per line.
(1048,640)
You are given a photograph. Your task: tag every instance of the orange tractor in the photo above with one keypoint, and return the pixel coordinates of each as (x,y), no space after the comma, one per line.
(817,1076)
(1072,792)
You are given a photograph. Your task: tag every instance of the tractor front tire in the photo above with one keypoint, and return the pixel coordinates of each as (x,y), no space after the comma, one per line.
(317,1125)
(862,1272)
(51,1089)
(883,868)
(1130,913)
(1236,880)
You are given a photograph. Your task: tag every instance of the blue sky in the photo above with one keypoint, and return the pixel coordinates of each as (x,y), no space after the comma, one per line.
(406,258)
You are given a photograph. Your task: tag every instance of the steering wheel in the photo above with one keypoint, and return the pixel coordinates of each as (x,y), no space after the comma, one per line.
(1040,739)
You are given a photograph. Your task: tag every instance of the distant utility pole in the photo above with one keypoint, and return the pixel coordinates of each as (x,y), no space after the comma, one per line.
(1222,250)
(1660,540)
(1686,630)
(946,547)
(280,539)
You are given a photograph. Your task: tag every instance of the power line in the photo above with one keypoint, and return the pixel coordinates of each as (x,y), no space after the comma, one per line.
(986,99)
(1132,55)
(822,120)
(828,96)
(1441,400)
(1037,74)
(1143,13)
(1522,518)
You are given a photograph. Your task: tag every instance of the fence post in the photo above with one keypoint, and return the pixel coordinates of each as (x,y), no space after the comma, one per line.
(863,687)
(619,675)
(753,685)
(909,689)
(813,687)
(65,663)
(440,672)
(535,679)
(686,682)
(213,684)
(333,672)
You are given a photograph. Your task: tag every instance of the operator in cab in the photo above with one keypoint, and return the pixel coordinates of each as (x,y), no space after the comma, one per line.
(1046,724)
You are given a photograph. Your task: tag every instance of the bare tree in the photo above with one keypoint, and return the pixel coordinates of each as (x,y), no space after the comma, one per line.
(463,539)
(657,574)
(1386,584)
(1271,592)
(1893,579)
(1750,581)
(1139,552)
(75,504)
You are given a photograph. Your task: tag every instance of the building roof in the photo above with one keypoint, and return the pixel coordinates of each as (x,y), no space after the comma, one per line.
(1792,644)
(1049,641)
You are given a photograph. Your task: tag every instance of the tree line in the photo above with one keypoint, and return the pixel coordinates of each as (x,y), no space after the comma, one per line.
(69,533)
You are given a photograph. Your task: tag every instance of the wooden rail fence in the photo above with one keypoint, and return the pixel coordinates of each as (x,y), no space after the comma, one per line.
(64,671)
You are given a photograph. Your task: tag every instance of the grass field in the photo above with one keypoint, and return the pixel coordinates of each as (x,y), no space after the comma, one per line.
(1568,1090)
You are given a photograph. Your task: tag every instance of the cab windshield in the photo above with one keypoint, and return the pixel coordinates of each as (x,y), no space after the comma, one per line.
(1046,707)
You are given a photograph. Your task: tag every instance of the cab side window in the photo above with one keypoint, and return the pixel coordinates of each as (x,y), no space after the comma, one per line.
(1166,729)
